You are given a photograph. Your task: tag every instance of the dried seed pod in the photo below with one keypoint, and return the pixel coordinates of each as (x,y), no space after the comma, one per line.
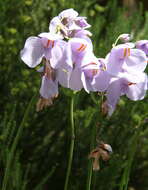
(102,151)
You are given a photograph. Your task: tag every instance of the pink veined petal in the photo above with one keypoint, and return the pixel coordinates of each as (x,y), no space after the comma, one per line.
(138,90)
(33,52)
(49,88)
(136,62)
(75,82)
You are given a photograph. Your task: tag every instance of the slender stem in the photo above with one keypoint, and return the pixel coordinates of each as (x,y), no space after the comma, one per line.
(90,171)
(93,138)
(116,42)
(15,143)
(71,143)
(89,177)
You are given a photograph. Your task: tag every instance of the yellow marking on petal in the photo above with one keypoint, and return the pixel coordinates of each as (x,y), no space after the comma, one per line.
(64,70)
(104,68)
(79,49)
(53,43)
(125,52)
(48,43)
(129,52)
(82,47)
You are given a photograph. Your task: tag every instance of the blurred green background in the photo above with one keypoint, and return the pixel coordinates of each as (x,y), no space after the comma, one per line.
(39,152)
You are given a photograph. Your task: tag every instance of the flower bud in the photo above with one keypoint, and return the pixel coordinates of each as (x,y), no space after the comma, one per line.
(125,37)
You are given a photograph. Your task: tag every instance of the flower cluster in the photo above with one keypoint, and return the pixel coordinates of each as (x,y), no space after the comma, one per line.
(66,53)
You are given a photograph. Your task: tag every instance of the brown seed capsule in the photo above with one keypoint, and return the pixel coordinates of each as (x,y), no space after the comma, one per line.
(102,151)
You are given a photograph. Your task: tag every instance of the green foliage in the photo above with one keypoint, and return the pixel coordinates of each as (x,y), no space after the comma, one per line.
(34,150)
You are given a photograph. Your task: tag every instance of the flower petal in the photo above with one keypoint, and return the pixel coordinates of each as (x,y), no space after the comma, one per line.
(75,82)
(49,88)
(86,83)
(57,51)
(68,13)
(82,23)
(50,36)
(137,91)
(33,51)
(101,81)
(136,62)
(143,45)
(115,61)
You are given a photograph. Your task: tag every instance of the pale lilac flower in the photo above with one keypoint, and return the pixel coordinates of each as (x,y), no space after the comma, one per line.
(73,54)
(123,58)
(45,45)
(77,49)
(47,49)
(66,22)
(134,86)
(89,69)
(49,85)
(89,74)
(82,68)
(102,78)
(143,45)
(83,73)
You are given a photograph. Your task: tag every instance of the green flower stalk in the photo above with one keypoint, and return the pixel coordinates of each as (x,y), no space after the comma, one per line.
(71,143)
